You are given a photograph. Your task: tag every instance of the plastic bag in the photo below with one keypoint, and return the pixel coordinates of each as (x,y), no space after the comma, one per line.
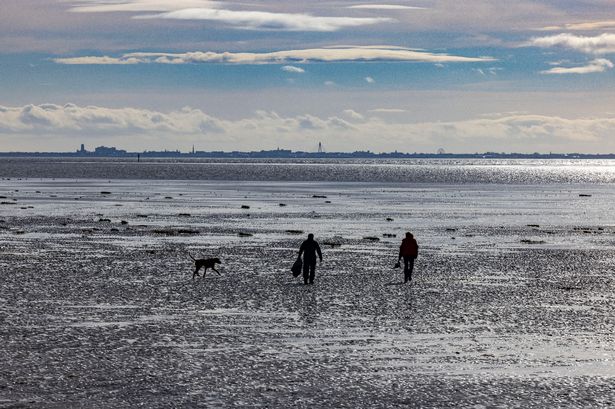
(297,267)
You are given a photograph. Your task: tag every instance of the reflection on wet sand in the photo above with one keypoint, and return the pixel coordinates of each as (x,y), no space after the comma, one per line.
(517,308)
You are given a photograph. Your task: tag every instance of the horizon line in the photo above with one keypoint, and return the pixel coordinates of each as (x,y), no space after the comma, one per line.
(103,151)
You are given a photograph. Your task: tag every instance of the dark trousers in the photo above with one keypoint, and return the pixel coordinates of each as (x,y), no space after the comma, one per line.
(309,271)
(408,267)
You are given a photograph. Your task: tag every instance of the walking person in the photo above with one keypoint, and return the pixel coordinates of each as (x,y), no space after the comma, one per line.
(309,248)
(409,250)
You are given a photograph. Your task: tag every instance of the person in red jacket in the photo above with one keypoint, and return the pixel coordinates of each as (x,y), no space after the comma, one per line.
(409,250)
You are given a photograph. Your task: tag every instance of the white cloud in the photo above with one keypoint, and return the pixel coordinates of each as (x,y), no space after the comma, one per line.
(135,128)
(333,54)
(597,65)
(586,26)
(489,70)
(385,7)
(214,11)
(388,110)
(104,60)
(262,20)
(601,44)
(292,69)
(100,120)
(110,6)
(369,80)
(353,114)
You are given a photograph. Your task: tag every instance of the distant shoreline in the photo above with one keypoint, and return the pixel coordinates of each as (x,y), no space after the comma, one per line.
(287,154)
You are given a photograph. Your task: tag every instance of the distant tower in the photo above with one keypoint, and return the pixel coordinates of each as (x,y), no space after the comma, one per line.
(82,148)
(320,150)
(193,149)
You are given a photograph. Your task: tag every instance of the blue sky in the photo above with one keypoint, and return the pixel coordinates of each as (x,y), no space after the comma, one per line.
(420,75)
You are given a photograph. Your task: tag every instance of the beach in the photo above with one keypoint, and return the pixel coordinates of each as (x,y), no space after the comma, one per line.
(510,305)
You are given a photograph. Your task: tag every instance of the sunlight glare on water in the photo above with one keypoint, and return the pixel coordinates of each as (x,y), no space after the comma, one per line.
(449,171)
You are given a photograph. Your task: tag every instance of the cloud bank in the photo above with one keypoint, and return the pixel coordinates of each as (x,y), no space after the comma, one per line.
(137,129)
(71,118)
(337,54)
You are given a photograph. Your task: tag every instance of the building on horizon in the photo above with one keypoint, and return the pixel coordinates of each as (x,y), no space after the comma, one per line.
(109,151)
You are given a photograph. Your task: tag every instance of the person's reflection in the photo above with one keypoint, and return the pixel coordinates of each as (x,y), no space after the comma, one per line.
(308,307)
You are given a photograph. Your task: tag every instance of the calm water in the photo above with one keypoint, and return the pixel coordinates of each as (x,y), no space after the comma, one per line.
(452,171)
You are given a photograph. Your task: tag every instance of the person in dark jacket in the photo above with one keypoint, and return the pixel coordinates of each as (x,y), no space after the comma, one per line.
(309,248)
(409,250)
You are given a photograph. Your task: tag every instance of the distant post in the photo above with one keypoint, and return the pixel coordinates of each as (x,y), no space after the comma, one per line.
(138,157)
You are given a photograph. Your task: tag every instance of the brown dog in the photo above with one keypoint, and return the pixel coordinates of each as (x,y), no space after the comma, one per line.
(205,263)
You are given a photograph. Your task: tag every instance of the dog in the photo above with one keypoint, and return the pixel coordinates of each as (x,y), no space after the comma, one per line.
(205,263)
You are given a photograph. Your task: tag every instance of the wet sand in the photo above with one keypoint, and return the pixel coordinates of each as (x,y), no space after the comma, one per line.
(511,305)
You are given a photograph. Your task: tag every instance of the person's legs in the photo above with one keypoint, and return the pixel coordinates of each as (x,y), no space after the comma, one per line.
(407,272)
(306,271)
(410,267)
(312,272)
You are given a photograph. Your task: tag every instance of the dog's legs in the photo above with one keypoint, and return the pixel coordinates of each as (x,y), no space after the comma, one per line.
(213,268)
(196,271)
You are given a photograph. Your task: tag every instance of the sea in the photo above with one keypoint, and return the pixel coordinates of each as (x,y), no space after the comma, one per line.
(436,171)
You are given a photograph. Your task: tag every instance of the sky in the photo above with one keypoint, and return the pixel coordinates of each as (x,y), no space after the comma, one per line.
(407,75)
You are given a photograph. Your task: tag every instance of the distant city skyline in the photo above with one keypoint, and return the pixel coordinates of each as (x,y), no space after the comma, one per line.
(472,76)
(319,153)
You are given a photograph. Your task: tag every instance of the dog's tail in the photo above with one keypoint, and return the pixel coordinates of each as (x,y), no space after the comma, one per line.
(191,256)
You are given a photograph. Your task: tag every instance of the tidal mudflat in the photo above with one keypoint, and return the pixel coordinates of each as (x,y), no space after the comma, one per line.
(511,306)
